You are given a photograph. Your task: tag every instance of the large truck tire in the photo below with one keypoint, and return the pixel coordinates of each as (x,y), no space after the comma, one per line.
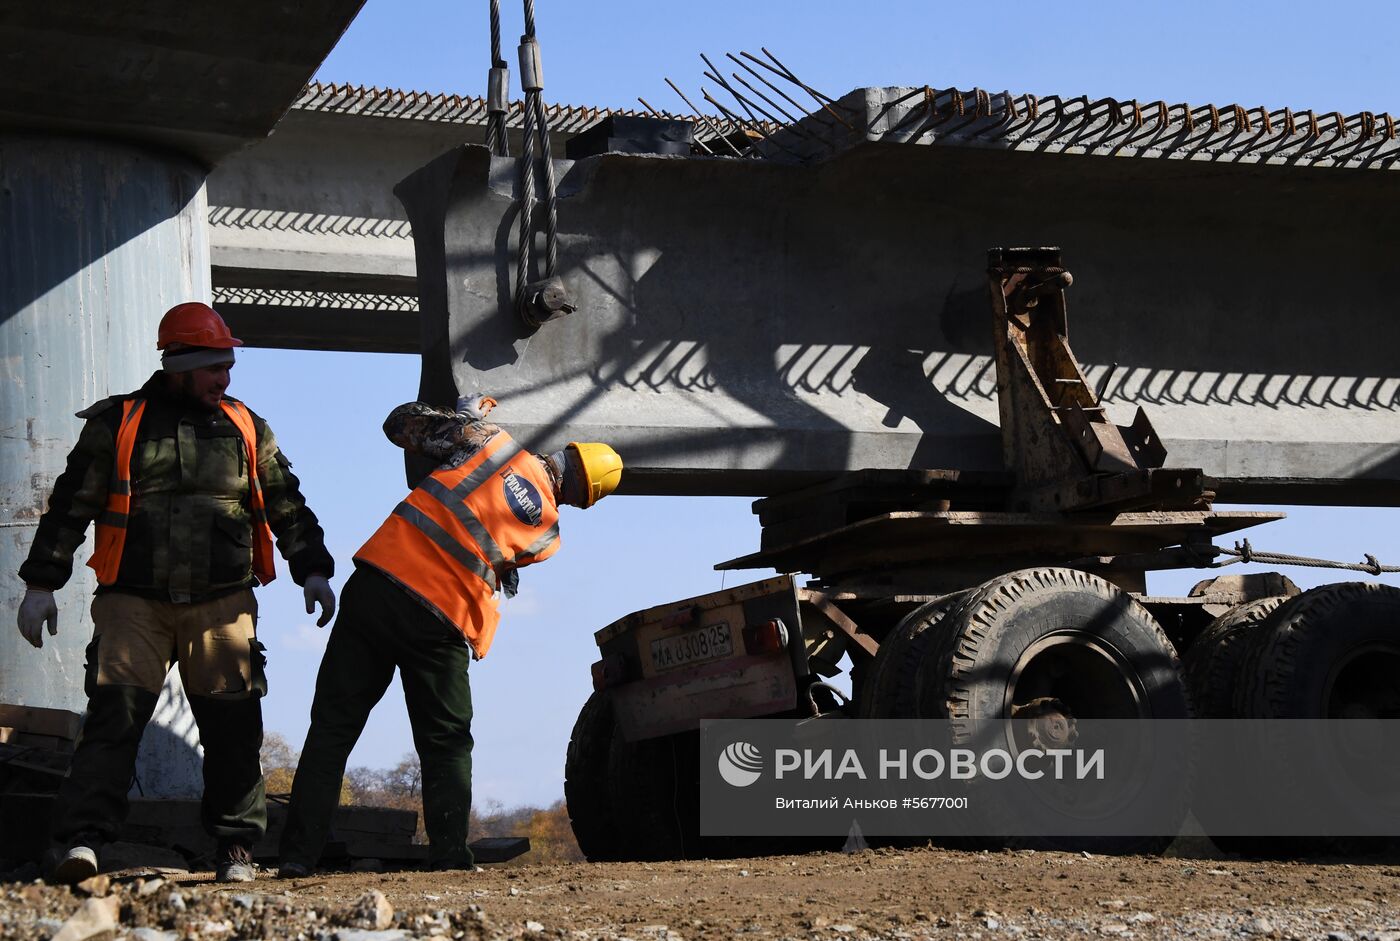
(1213,665)
(656,806)
(627,800)
(1070,646)
(888,690)
(1332,652)
(655,792)
(1214,669)
(640,801)
(585,780)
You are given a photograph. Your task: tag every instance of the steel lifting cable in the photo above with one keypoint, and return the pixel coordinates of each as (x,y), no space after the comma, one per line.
(542,300)
(1244,552)
(497,90)
(527,191)
(551,233)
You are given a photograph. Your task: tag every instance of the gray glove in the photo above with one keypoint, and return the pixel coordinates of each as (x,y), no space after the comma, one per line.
(317,591)
(37,608)
(475,407)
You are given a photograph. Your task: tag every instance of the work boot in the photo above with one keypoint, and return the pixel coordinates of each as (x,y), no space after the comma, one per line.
(291,870)
(78,862)
(235,863)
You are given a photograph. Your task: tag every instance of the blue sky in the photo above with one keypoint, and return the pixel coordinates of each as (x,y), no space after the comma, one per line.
(633,552)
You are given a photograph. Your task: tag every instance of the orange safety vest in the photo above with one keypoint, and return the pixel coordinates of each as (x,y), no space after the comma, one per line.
(111,524)
(450,541)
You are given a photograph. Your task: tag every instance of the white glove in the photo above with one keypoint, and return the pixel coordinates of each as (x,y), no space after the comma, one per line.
(475,407)
(317,591)
(37,607)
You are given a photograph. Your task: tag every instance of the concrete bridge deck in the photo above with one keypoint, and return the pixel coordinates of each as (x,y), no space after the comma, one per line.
(746,325)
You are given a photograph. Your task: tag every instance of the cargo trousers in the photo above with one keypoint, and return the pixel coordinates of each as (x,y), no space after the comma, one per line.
(221,663)
(381,627)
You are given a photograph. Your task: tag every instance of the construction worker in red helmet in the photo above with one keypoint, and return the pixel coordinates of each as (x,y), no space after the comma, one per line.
(423,599)
(188,490)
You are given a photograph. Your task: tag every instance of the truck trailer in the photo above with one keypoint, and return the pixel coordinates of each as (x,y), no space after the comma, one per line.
(975,510)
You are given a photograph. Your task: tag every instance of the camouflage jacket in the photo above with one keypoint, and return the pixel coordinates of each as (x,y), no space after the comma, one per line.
(447,437)
(189,537)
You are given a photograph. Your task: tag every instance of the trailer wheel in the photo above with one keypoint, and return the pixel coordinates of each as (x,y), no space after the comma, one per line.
(641,800)
(1214,668)
(1054,646)
(888,690)
(1213,663)
(1332,653)
(656,806)
(585,780)
(621,795)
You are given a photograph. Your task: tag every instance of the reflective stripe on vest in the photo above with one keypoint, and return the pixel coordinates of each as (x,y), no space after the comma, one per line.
(443,540)
(453,498)
(264,569)
(454,537)
(111,523)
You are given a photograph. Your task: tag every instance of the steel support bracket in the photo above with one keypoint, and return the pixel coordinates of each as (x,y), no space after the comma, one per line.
(1056,436)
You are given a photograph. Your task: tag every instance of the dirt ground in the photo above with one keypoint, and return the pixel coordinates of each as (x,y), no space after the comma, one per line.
(883,893)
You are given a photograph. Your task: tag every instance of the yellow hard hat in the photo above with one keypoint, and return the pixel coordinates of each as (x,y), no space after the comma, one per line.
(601,466)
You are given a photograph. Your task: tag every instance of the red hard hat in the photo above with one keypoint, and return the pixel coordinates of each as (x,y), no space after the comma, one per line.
(194,324)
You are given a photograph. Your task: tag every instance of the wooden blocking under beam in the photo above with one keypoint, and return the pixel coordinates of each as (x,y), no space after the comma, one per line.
(356,833)
(173,823)
(496,849)
(372,847)
(375,820)
(48,743)
(26,758)
(500,849)
(59,723)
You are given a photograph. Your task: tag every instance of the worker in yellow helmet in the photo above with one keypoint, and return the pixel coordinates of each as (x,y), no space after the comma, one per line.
(423,599)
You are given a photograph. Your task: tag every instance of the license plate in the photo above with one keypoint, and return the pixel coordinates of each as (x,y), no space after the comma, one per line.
(694,646)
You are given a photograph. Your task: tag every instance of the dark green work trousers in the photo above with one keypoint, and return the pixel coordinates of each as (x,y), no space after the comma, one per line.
(92,800)
(380,627)
(136,641)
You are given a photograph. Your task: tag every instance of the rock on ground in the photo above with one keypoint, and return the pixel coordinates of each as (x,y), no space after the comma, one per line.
(96,918)
(892,895)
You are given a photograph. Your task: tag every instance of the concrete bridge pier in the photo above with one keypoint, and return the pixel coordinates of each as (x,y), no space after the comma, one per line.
(97,240)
